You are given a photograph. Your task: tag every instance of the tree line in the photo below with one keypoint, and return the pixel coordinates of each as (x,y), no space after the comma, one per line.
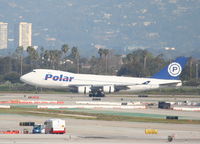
(139,63)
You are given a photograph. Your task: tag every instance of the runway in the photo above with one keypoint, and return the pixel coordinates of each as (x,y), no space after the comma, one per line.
(71,99)
(92,131)
(81,131)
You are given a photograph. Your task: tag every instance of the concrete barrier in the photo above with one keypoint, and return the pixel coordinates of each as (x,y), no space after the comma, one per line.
(97,103)
(31,102)
(33,97)
(4,106)
(106,103)
(187,108)
(10,132)
(90,106)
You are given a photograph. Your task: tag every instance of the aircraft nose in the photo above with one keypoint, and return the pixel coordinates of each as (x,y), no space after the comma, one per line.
(24,78)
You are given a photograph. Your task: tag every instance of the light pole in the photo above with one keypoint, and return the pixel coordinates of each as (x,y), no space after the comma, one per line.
(197,71)
(170,49)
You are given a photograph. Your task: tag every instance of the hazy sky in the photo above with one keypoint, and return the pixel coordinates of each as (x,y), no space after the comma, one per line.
(113,24)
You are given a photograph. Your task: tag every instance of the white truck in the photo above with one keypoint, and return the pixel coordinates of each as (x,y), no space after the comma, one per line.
(55,126)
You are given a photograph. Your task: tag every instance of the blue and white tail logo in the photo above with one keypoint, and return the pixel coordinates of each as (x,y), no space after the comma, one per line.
(173,70)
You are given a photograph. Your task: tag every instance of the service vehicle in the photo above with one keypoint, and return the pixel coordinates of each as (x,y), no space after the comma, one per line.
(97,93)
(55,126)
(38,128)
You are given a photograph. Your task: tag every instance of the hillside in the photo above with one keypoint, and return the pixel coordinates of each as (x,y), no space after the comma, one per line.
(114,24)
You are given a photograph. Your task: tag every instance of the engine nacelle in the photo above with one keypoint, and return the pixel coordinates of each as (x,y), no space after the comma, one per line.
(84,89)
(108,89)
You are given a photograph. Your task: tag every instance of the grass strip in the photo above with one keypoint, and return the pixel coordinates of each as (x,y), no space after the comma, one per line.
(90,116)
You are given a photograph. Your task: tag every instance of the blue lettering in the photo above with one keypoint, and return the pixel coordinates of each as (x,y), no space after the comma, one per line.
(65,78)
(71,78)
(55,78)
(48,76)
(59,78)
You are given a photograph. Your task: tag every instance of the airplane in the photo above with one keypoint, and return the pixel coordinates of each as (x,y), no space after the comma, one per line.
(84,83)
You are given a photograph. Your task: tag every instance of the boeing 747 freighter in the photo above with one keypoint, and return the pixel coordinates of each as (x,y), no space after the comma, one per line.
(47,78)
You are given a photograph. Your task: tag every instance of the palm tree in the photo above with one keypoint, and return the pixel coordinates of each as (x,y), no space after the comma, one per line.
(33,56)
(65,49)
(145,55)
(75,55)
(19,52)
(55,56)
(46,59)
(41,57)
(100,52)
(106,52)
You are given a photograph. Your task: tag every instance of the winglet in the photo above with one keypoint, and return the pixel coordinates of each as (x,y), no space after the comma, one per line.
(173,70)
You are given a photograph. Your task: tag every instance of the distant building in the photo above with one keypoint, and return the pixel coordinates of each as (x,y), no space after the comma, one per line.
(25,34)
(3,35)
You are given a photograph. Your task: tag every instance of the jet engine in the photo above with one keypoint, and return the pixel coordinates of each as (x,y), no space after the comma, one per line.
(84,89)
(108,89)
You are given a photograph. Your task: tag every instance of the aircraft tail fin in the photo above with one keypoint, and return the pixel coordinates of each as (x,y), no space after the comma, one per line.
(173,70)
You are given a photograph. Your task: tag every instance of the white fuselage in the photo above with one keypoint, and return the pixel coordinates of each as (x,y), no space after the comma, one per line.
(59,79)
